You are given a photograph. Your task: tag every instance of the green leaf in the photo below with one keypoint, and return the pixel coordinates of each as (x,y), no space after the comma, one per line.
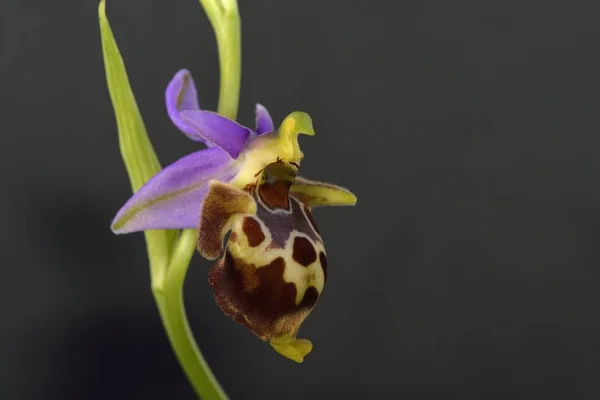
(136,149)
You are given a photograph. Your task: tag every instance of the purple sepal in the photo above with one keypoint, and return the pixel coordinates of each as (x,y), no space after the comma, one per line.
(173,198)
(221,131)
(181,95)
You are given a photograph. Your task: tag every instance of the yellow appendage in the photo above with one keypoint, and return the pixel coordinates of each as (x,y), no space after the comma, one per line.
(292,348)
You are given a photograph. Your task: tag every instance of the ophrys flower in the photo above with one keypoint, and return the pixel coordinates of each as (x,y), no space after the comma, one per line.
(274,268)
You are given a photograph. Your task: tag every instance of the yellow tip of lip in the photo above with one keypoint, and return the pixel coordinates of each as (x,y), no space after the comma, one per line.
(292,348)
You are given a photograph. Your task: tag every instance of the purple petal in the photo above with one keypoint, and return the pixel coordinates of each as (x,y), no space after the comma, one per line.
(221,131)
(172,199)
(181,95)
(264,122)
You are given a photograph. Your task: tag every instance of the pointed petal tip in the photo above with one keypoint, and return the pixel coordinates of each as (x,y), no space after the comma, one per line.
(352,199)
(181,95)
(102,9)
(349,197)
(183,71)
(259,107)
(344,198)
(121,223)
(116,226)
(264,122)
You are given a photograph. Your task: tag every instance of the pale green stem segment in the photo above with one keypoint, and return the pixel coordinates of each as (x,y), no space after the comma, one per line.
(225,20)
(170,256)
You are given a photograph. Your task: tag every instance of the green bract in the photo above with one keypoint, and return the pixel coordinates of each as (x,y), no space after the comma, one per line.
(136,149)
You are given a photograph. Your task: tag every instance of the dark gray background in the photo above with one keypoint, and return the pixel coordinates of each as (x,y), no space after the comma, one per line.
(469,131)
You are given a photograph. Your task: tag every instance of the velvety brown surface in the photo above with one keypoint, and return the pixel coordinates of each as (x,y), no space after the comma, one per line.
(259,298)
(251,227)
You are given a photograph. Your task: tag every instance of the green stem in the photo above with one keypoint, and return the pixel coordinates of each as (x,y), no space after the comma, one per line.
(169,298)
(168,291)
(225,20)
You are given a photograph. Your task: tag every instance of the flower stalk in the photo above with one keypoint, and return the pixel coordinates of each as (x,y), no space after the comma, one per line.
(224,18)
(170,253)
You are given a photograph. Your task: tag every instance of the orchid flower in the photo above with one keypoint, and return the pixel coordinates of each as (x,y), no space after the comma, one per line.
(271,270)
(245,181)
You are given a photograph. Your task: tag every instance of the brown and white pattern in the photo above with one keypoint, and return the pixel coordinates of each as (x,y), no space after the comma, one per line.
(271,274)
(274,267)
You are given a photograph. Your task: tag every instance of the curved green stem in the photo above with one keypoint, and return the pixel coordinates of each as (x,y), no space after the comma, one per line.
(224,18)
(169,298)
